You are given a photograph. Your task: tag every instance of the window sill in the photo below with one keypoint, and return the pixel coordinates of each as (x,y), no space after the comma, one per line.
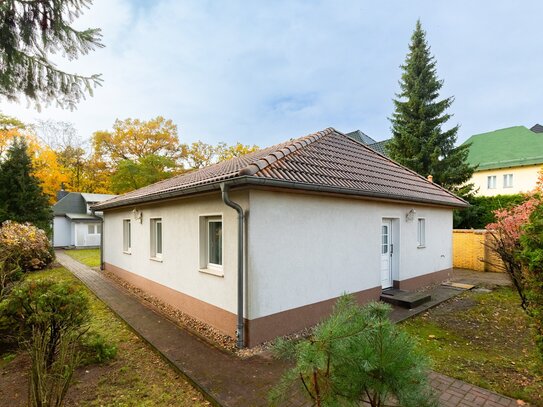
(157,259)
(214,272)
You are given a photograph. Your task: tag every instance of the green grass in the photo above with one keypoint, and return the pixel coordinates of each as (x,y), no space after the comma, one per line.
(89,257)
(483,339)
(137,376)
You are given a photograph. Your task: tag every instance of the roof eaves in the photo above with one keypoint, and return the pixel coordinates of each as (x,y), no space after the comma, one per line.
(260,181)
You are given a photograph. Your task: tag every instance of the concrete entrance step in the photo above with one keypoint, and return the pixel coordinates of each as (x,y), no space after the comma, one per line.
(404,299)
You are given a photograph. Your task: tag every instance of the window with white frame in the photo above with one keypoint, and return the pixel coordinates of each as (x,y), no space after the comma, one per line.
(211,241)
(491,182)
(421,232)
(127,236)
(156,238)
(94,228)
(508,180)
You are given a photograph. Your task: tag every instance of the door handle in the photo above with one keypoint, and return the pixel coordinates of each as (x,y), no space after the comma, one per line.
(391,249)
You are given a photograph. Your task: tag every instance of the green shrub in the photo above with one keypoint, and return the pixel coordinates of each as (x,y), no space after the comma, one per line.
(48,318)
(57,308)
(481,211)
(96,349)
(356,356)
(531,244)
(24,245)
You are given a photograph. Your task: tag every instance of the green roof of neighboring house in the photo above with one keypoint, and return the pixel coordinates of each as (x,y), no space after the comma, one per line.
(512,147)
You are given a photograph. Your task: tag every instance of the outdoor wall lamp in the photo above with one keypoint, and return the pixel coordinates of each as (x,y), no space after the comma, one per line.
(136,213)
(409,216)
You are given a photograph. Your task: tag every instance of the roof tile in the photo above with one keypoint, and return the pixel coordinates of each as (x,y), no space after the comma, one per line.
(326,160)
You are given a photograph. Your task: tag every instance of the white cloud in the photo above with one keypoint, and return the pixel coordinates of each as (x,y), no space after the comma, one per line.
(260,72)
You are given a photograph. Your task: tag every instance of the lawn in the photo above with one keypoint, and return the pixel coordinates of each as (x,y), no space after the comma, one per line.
(89,257)
(483,338)
(137,376)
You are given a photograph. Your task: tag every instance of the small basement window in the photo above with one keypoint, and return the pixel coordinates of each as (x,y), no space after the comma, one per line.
(421,232)
(156,238)
(127,236)
(211,245)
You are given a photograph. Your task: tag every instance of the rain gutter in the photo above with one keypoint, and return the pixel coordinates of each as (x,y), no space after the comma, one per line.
(262,181)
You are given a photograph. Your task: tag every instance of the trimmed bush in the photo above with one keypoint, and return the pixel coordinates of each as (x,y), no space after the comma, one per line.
(25,246)
(482,210)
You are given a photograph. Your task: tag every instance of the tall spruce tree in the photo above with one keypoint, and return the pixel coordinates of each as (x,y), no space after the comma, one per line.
(418,141)
(31,30)
(21,196)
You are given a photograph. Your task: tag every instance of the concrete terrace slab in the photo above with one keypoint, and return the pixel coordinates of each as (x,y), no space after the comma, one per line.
(222,377)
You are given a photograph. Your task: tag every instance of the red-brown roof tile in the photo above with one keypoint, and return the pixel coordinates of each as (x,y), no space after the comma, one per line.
(325,161)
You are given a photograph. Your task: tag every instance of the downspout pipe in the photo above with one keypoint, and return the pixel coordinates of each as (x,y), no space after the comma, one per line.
(240,343)
(101,240)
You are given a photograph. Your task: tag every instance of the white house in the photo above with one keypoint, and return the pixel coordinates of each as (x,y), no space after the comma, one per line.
(320,215)
(74,225)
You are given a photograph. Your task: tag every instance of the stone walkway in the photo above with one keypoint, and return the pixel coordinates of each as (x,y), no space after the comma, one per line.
(222,377)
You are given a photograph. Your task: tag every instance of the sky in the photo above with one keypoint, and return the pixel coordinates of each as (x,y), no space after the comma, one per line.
(261,72)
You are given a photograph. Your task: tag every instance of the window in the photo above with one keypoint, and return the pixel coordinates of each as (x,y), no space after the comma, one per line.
(421,232)
(94,228)
(127,236)
(211,260)
(508,180)
(156,239)
(491,182)
(384,239)
(214,242)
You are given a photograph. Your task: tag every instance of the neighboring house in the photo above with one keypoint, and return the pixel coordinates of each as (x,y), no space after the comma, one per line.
(324,215)
(379,146)
(73,223)
(508,160)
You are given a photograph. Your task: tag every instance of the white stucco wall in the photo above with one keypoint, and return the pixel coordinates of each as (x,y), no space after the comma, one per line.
(61,231)
(304,249)
(180,264)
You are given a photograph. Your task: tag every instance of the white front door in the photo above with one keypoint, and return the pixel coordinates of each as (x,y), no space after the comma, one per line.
(386,253)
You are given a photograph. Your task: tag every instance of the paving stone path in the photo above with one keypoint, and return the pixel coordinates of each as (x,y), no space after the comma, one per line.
(225,379)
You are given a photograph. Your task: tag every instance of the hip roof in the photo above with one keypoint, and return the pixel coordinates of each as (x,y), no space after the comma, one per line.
(327,161)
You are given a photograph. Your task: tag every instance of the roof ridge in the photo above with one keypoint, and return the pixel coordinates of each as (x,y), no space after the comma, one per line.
(282,152)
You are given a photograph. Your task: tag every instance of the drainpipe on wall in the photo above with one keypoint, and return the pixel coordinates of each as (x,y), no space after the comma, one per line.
(101,240)
(240,328)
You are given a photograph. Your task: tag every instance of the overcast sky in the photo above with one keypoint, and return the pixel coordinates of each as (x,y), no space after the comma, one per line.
(261,72)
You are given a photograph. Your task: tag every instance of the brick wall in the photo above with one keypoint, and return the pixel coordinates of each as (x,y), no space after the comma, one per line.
(471,252)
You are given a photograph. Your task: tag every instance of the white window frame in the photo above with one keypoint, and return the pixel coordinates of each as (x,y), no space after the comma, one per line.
(506,179)
(127,236)
(94,228)
(421,232)
(155,254)
(491,182)
(205,265)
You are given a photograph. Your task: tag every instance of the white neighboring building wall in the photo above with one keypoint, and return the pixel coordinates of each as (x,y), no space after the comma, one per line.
(62,235)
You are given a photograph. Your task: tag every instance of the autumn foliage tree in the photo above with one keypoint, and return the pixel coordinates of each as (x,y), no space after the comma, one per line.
(517,238)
